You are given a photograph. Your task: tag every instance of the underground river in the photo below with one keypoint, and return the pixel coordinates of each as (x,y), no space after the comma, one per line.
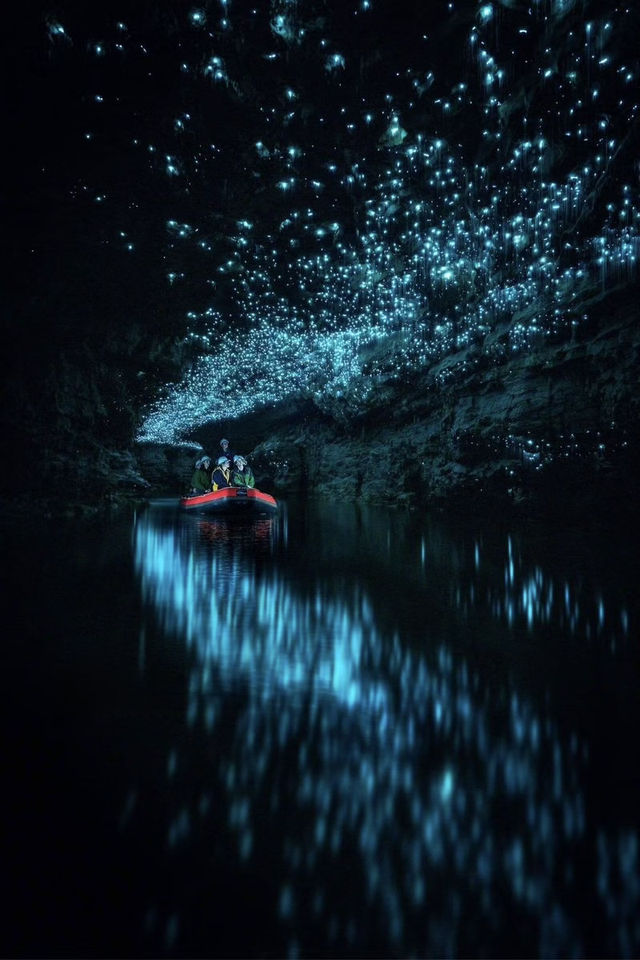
(341,731)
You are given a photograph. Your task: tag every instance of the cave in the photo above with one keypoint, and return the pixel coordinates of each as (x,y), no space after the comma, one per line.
(279,224)
(390,250)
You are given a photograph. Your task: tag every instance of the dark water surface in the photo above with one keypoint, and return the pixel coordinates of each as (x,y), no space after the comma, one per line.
(340,732)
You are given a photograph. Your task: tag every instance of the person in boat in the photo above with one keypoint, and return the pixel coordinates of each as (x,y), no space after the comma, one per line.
(226,449)
(201,479)
(242,475)
(221,476)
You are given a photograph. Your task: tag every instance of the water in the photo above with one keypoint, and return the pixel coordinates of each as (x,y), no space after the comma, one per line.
(342,731)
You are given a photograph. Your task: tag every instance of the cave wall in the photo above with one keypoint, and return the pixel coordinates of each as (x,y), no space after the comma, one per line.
(558,421)
(557,424)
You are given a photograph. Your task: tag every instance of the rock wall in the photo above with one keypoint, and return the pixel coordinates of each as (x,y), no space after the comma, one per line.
(557,425)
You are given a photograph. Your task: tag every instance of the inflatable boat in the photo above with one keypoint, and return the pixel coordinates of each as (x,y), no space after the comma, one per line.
(232,500)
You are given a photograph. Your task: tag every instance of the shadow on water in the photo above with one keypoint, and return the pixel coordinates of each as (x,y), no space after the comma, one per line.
(355,734)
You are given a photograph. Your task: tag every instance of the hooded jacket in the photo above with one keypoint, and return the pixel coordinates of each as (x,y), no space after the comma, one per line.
(220,478)
(243,478)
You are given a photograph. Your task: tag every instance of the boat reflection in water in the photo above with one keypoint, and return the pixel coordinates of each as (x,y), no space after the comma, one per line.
(398,800)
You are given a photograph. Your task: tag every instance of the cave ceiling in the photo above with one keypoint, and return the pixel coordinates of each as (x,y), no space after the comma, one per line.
(304,199)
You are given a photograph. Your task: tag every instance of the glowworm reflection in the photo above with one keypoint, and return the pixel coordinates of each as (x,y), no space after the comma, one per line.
(247,624)
(532,596)
(415,808)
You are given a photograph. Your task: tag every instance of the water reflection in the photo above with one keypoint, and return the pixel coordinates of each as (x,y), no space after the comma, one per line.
(531,595)
(399,802)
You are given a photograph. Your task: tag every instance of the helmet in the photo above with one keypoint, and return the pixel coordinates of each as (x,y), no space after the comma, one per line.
(224,440)
(239,459)
(205,460)
(222,460)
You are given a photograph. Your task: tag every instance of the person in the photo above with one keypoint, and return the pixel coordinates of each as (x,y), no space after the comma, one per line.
(242,475)
(221,475)
(201,479)
(226,449)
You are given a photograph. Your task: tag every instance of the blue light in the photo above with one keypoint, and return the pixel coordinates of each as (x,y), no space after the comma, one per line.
(335,62)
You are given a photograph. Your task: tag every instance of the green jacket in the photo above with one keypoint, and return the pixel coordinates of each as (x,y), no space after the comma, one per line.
(243,478)
(201,480)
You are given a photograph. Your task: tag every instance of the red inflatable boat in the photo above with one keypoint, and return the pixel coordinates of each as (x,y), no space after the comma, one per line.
(232,500)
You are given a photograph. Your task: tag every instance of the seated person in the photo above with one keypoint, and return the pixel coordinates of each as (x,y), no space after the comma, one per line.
(221,475)
(201,479)
(242,475)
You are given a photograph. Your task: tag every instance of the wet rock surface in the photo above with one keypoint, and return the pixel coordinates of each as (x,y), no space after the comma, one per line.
(557,425)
